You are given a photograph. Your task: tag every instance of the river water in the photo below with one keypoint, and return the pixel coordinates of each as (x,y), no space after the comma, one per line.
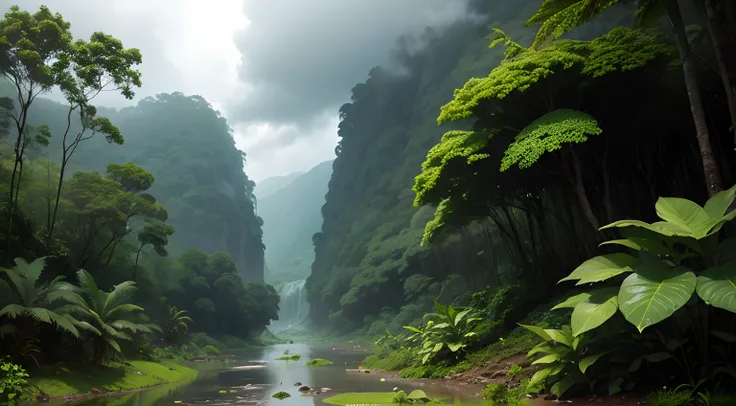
(256,376)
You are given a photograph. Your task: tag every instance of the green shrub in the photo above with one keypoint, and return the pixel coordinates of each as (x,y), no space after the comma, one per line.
(13,380)
(669,397)
(210,350)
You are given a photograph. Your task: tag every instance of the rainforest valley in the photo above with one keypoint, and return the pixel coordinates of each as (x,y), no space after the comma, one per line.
(125,233)
(535,201)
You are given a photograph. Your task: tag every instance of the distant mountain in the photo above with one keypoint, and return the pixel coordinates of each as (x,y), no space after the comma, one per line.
(291,216)
(269,186)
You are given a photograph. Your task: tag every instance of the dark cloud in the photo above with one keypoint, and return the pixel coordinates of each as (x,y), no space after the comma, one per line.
(136,27)
(301,58)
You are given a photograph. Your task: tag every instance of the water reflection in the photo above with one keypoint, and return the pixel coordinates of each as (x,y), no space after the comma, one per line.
(256,376)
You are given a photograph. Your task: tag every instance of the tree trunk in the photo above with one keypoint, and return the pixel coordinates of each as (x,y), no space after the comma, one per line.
(581,193)
(135,269)
(723,47)
(710,166)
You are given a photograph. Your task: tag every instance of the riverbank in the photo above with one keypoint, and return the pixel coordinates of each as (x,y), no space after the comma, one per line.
(56,381)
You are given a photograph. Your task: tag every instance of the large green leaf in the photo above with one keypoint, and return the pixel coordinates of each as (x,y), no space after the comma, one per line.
(586,362)
(626,242)
(685,215)
(538,331)
(590,313)
(601,268)
(717,286)
(653,292)
(660,227)
(572,301)
(564,384)
(717,205)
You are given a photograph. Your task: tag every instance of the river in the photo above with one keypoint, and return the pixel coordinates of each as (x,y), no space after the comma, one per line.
(256,382)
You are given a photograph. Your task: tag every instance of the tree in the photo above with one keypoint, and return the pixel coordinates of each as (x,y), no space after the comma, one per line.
(99,214)
(32,50)
(548,85)
(155,234)
(27,303)
(557,17)
(723,35)
(177,325)
(88,69)
(110,316)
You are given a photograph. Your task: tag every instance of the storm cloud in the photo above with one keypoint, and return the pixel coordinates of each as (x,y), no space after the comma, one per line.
(277,69)
(300,58)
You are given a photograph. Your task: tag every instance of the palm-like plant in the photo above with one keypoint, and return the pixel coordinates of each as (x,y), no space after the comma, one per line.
(110,316)
(176,325)
(26,304)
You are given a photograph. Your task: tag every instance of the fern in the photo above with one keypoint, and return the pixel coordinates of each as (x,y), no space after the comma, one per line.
(547,134)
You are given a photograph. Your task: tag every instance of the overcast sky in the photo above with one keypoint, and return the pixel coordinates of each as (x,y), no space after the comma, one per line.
(277,69)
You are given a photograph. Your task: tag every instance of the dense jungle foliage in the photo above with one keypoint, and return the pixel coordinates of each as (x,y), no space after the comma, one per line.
(584,113)
(122,232)
(291,216)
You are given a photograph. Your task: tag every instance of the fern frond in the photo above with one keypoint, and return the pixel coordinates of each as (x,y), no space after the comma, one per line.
(12,311)
(62,323)
(120,310)
(121,292)
(548,133)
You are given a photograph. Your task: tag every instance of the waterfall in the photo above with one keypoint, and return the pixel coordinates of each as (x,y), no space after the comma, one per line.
(293,307)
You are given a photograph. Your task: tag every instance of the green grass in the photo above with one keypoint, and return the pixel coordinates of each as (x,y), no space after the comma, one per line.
(61,380)
(374,398)
(292,357)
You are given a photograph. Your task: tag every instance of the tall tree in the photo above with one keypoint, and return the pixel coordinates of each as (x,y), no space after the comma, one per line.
(32,50)
(557,17)
(155,234)
(722,28)
(88,69)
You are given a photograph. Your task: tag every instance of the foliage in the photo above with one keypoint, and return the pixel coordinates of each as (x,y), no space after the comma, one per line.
(26,303)
(281,395)
(416,396)
(64,379)
(680,255)
(289,357)
(212,291)
(379,398)
(110,317)
(176,325)
(318,362)
(565,357)
(669,397)
(13,380)
(448,329)
(547,134)
(500,395)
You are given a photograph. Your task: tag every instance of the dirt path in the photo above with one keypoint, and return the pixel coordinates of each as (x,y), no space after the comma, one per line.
(473,381)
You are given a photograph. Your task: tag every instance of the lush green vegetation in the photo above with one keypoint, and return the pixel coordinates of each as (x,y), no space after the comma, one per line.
(588,120)
(318,362)
(381,398)
(62,380)
(103,260)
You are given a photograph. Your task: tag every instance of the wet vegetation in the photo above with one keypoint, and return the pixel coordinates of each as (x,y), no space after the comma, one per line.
(571,223)
(537,199)
(107,266)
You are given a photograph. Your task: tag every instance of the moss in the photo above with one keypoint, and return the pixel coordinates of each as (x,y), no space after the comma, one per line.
(374,398)
(281,395)
(292,357)
(318,362)
(61,380)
